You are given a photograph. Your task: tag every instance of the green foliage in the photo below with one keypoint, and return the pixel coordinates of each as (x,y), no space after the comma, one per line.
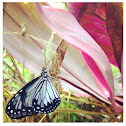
(8,61)
(26,71)
(93,106)
(60,5)
(115,71)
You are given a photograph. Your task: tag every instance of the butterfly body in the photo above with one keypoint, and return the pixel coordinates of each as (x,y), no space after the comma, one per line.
(37,96)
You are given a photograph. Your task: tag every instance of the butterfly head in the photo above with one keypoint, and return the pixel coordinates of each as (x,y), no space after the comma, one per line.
(44,72)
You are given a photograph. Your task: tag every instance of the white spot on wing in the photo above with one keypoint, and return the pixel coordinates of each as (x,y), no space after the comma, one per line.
(38,107)
(16,95)
(20,90)
(11,111)
(12,99)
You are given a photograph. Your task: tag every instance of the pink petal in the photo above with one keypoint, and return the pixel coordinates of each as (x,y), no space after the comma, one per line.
(92,18)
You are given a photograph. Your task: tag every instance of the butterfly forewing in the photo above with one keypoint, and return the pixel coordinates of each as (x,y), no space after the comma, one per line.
(37,96)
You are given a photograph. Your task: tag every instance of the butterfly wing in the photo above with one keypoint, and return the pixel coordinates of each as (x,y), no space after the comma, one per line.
(37,96)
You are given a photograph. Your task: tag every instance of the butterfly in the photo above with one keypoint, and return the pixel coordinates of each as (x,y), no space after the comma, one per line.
(37,96)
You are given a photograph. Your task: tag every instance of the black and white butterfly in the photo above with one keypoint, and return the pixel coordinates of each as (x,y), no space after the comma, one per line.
(37,96)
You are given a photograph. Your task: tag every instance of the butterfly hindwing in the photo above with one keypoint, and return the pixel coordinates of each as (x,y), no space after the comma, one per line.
(37,96)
